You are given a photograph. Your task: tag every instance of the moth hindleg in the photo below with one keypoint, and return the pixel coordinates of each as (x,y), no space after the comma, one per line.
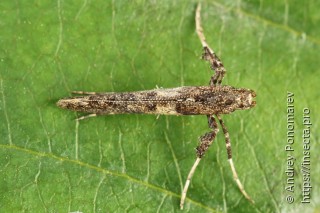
(205,141)
(209,55)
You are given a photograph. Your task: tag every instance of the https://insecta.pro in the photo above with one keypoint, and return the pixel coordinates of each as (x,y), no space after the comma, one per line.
(212,101)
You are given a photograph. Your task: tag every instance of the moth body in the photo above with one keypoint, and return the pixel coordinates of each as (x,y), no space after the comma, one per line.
(189,100)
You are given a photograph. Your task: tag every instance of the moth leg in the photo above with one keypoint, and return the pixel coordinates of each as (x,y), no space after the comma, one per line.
(205,142)
(229,153)
(87,116)
(208,54)
(186,185)
(90,93)
(84,93)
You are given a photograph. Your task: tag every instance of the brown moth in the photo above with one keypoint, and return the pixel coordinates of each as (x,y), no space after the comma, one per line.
(212,101)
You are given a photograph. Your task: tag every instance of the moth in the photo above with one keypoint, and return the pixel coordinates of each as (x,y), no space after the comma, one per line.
(212,101)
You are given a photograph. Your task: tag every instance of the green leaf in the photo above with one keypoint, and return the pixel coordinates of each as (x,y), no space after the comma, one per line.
(51,163)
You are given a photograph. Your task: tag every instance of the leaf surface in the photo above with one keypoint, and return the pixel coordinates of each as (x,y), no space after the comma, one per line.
(137,163)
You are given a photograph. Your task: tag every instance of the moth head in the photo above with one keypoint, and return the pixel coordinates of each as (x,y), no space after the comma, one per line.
(245,99)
